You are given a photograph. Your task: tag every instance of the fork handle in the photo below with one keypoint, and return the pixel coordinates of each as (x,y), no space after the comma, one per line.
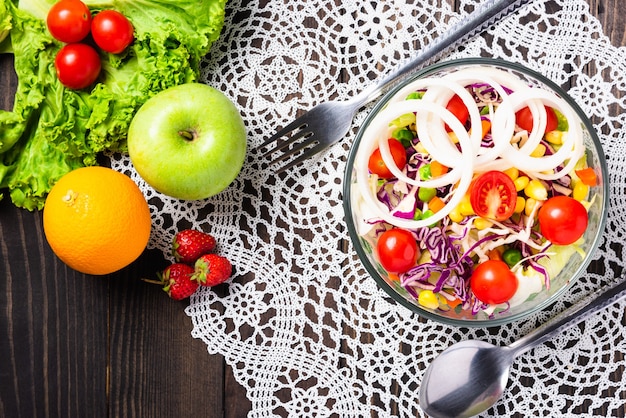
(485,15)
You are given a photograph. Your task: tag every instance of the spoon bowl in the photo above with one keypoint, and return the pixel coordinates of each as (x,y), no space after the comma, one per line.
(470,376)
(483,371)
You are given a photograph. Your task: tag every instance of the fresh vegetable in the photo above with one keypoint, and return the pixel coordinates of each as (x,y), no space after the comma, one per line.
(77,66)
(112,31)
(493,282)
(458,109)
(397,250)
(588,176)
(69,20)
(211,270)
(481,178)
(524,119)
(512,256)
(493,195)
(52,130)
(189,244)
(563,220)
(5,22)
(376,164)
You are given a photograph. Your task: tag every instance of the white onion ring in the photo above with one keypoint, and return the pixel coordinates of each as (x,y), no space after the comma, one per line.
(431,114)
(372,135)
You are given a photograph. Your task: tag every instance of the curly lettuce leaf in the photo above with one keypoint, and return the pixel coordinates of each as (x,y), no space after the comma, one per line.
(53,130)
(5,23)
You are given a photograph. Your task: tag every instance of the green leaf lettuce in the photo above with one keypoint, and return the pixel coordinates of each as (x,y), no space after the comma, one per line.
(53,130)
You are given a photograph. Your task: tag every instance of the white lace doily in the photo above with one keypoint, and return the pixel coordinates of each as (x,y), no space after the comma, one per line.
(306,331)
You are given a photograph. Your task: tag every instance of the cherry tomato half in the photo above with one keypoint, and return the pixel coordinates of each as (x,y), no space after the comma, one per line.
(397,250)
(493,282)
(376,164)
(112,31)
(458,109)
(77,65)
(562,220)
(493,195)
(524,119)
(69,21)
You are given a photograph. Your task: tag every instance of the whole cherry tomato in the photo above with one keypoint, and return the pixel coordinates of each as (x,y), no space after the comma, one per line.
(493,195)
(524,119)
(458,109)
(562,220)
(69,21)
(77,65)
(112,31)
(397,250)
(376,164)
(493,282)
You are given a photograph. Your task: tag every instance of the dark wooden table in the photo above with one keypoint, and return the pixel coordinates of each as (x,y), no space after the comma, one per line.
(78,346)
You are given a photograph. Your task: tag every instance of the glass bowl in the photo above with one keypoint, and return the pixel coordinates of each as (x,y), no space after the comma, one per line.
(459,305)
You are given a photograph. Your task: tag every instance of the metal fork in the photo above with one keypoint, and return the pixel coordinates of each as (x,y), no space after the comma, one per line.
(328,122)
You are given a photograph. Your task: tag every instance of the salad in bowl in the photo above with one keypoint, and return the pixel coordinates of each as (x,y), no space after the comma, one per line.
(475,192)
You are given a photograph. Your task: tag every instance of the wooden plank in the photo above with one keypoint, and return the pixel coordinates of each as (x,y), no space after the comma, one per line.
(76,345)
(156,368)
(53,327)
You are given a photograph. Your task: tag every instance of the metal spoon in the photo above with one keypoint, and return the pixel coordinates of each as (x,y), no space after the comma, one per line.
(470,376)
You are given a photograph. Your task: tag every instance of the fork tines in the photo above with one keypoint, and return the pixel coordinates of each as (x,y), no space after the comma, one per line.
(290,146)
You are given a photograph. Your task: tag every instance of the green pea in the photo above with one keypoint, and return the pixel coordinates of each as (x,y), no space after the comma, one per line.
(512,256)
(427,214)
(426,193)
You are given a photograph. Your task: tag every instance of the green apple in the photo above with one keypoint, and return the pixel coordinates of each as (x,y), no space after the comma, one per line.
(188,141)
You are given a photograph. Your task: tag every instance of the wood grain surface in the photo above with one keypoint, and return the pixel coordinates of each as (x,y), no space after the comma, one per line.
(77,346)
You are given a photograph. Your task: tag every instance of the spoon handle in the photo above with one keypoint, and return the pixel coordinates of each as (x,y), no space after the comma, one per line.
(570,317)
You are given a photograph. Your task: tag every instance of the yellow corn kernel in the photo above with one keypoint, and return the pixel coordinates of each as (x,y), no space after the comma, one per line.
(453,138)
(512,172)
(540,151)
(482,223)
(554,137)
(455,215)
(536,190)
(420,148)
(530,206)
(428,299)
(521,183)
(465,207)
(520,203)
(581,191)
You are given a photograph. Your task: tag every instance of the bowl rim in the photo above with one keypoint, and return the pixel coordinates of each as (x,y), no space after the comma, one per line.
(347,189)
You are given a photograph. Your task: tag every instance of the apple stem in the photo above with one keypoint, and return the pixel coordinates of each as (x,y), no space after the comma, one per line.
(188,135)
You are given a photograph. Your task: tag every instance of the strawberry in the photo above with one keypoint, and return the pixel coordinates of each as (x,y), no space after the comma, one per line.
(188,245)
(211,270)
(176,280)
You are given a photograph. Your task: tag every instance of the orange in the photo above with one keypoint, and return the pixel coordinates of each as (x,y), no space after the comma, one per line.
(96,220)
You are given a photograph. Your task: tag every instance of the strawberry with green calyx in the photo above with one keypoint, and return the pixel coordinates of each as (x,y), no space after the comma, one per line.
(176,281)
(188,245)
(211,270)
